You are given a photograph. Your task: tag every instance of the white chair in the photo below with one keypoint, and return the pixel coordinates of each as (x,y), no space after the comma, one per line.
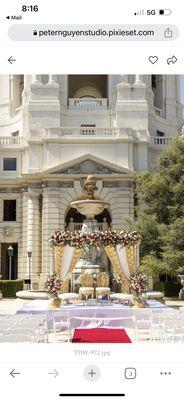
(15,338)
(181,311)
(61,322)
(6,325)
(4,331)
(143,325)
(178,334)
(167,325)
(105,322)
(158,318)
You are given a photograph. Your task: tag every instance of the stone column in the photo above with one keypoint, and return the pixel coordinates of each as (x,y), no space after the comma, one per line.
(34,234)
(138,79)
(52,80)
(5,96)
(125,79)
(50,223)
(36,79)
(14,93)
(170,98)
(143,143)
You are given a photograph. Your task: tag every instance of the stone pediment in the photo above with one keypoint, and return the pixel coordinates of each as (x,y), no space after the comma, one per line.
(88,165)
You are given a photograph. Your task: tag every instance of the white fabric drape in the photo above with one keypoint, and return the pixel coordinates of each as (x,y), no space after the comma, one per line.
(68,253)
(123,260)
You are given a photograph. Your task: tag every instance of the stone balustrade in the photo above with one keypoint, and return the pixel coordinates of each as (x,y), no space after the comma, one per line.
(11,140)
(77,226)
(87,103)
(89,131)
(159,112)
(162,141)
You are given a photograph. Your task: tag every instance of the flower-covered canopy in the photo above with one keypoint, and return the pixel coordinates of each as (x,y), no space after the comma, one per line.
(120,247)
(93,239)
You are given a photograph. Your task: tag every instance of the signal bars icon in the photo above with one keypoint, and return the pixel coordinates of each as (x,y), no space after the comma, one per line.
(140,12)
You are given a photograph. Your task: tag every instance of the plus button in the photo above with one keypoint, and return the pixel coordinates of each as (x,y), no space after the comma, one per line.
(92,373)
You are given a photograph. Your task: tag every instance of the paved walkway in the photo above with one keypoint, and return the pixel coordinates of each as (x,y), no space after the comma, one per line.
(10,306)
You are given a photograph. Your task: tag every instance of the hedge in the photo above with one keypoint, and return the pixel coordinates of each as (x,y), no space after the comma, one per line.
(170,289)
(10,288)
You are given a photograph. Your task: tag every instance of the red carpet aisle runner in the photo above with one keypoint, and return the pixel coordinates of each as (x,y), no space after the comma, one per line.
(100,335)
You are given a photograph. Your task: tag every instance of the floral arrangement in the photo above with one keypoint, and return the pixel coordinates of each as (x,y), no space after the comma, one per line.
(53,284)
(93,239)
(138,283)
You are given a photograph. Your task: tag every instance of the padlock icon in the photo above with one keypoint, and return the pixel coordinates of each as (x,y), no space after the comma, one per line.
(35,32)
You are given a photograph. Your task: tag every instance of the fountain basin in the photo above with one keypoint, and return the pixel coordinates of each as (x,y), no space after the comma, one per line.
(89,207)
(33,295)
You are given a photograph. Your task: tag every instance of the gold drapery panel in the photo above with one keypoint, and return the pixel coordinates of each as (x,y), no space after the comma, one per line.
(114,258)
(58,257)
(131,258)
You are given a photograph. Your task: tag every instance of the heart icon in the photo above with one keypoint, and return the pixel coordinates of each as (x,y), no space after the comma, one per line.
(153,59)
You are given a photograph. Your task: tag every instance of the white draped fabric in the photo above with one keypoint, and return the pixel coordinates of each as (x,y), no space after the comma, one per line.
(123,260)
(67,256)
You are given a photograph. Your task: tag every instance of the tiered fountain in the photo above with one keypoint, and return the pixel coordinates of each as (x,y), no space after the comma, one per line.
(90,207)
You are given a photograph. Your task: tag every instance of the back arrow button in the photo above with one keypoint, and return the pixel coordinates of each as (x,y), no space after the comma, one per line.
(11,60)
(13,373)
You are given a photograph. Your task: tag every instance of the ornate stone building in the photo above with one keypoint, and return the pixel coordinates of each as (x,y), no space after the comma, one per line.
(54,131)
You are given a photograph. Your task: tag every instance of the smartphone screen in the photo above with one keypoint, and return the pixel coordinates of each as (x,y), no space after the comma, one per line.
(91,200)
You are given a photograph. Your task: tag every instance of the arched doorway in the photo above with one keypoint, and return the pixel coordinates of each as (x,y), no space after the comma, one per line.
(74,220)
(87,86)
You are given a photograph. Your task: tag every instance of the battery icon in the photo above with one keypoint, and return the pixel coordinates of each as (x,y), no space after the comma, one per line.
(165,12)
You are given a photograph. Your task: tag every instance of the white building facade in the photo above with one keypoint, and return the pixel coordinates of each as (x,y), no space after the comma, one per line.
(57,129)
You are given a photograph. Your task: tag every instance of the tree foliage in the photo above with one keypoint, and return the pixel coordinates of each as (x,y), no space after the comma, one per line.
(151,265)
(161,208)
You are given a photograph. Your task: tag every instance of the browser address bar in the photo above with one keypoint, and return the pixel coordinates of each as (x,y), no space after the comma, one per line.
(93,32)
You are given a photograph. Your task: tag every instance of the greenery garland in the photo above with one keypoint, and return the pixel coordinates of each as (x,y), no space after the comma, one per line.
(93,239)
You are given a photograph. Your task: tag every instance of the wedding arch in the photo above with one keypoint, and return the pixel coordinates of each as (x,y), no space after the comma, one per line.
(121,248)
